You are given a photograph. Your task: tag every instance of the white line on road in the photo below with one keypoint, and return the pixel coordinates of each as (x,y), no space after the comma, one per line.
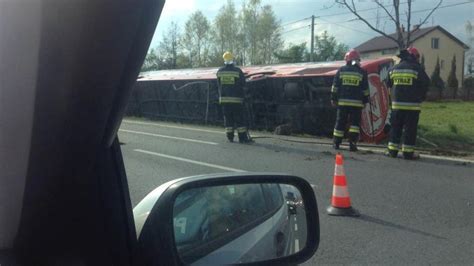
(167,137)
(190,161)
(297,245)
(169,126)
(295,218)
(296,227)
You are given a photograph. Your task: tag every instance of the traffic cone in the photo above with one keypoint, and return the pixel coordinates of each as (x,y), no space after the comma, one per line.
(341,201)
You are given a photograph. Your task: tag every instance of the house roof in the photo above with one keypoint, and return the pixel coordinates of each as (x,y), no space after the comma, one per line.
(383,43)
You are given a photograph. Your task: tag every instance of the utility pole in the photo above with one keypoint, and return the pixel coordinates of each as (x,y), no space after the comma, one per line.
(311,54)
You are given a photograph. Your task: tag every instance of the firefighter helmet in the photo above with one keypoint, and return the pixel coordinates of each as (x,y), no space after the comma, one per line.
(352,55)
(413,51)
(228,57)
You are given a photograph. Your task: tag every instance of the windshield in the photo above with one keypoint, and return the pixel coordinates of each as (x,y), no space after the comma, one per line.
(286,85)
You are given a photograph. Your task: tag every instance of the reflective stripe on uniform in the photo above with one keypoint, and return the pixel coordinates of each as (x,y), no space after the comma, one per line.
(231,100)
(404,71)
(333,89)
(233,74)
(350,73)
(350,78)
(349,102)
(354,129)
(366,92)
(338,133)
(229,130)
(393,146)
(408,148)
(241,129)
(406,106)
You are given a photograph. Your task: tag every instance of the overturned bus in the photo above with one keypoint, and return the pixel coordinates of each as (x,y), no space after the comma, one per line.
(295,95)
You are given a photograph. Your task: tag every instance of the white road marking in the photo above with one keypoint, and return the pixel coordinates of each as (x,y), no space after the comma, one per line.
(295,218)
(296,227)
(167,137)
(170,126)
(444,158)
(376,150)
(423,155)
(297,245)
(190,161)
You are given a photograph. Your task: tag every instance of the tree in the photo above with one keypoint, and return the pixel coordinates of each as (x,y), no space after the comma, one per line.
(402,38)
(170,47)
(422,63)
(269,36)
(452,79)
(470,52)
(293,54)
(152,61)
(249,20)
(469,57)
(436,80)
(259,36)
(196,39)
(326,48)
(224,32)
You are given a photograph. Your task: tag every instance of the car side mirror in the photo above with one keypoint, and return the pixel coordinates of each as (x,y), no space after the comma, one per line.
(222,219)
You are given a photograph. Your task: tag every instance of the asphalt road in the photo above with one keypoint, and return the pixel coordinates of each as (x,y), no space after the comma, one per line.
(412,212)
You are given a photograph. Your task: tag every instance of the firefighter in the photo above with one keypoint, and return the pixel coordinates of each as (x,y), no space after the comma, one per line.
(231,82)
(408,83)
(350,92)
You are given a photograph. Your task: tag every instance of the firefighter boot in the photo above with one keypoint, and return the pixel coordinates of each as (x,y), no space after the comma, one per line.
(335,145)
(353,146)
(411,156)
(230,136)
(244,137)
(391,153)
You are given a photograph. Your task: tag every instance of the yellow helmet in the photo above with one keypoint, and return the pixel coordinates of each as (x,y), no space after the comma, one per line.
(228,57)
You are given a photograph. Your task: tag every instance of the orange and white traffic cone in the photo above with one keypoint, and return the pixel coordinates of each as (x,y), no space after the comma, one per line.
(341,201)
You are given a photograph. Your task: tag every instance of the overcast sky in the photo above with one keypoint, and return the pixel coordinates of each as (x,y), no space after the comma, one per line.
(452,16)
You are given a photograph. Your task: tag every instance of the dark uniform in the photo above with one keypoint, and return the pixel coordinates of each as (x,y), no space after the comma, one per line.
(350,90)
(409,84)
(231,83)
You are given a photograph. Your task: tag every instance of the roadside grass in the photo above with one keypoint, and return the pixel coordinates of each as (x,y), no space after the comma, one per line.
(449,125)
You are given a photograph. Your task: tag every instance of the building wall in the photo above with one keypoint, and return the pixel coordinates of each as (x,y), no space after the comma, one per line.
(447,48)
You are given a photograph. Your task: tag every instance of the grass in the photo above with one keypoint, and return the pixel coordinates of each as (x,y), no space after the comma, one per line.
(449,125)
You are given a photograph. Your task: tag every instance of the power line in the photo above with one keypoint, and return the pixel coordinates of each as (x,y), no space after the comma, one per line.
(343,26)
(348,12)
(293,22)
(295,29)
(415,11)
(355,19)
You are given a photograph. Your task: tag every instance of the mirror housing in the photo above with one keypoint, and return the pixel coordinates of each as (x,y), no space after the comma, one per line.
(154,216)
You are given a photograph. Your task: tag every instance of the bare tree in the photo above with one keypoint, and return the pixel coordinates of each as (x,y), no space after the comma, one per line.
(403,39)
(169,47)
(196,38)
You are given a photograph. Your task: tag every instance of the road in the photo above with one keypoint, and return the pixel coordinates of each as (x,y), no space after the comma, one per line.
(298,230)
(412,212)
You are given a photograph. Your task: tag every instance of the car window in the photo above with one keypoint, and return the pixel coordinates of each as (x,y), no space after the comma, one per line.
(222,213)
(274,196)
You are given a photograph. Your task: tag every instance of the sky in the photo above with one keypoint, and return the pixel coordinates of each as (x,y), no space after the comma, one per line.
(295,29)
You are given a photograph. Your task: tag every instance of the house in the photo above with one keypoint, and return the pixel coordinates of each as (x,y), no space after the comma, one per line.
(432,42)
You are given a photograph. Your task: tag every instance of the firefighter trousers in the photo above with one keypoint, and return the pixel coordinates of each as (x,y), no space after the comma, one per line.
(234,119)
(404,123)
(344,114)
